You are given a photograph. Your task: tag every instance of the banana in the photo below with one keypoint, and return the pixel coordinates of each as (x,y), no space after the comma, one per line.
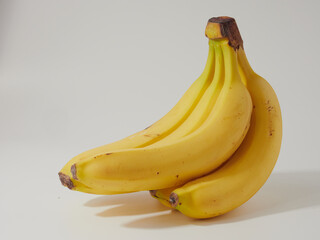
(248,169)
(205,105)
(175,162)
(195,119)
(157,131)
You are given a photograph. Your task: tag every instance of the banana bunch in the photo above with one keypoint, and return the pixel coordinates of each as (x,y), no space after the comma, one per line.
(210,153)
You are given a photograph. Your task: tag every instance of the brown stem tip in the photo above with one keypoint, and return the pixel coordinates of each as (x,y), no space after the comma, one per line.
(73,171)
(65,180)
(174,199)
(153,193)
(224,27)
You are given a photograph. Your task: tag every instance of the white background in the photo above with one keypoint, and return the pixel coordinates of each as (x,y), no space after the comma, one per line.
(78,74)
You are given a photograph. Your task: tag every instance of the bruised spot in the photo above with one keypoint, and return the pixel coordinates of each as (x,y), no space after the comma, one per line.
(157,173)
(179,203)
(108,154)
(177,175)
(73,171)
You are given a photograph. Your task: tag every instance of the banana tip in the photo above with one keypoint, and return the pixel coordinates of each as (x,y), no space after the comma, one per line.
(174,199)
(153,193)
(65,180)
(74,171)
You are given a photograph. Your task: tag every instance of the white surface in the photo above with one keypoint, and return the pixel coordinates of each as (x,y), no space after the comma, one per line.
(79,74)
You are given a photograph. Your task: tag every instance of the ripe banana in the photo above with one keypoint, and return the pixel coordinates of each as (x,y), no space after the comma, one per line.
(191,123)
(205,105)
(247,170)
(180,160)
(157,131)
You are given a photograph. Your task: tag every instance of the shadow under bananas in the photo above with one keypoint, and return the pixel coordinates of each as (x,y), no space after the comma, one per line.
(283,192)
(126,204)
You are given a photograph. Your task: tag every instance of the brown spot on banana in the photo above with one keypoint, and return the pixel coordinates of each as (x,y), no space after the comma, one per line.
(271,111)
(237,116)
(271,132)
(73,171)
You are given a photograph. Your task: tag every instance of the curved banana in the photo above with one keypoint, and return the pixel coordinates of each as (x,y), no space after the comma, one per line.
(205,105)
(175,163)
(195,119)
(157,131)
(248,169)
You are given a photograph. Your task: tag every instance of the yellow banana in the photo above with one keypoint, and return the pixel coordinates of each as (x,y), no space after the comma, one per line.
(167,124)
(174,163)
(205,105)
(248,169)
(195,119)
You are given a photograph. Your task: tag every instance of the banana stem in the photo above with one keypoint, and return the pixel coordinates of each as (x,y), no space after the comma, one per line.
(224,27)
